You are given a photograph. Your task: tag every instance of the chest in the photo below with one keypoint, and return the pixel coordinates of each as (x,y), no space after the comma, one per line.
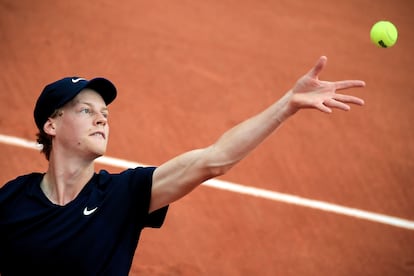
(84,231)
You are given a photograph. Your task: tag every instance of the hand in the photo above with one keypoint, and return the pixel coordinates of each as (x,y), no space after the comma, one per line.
(310,92)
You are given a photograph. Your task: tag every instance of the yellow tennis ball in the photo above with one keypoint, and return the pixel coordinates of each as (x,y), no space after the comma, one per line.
(384,34)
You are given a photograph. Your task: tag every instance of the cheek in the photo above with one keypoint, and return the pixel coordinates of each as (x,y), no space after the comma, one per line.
(71,131)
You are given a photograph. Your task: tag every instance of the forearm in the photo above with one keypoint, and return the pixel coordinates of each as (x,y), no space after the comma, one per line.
(180,175)
(240,140)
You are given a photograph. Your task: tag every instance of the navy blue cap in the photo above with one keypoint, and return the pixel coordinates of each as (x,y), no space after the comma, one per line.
(58,93)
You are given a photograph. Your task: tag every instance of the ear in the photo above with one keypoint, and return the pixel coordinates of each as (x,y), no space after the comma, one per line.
(50,127)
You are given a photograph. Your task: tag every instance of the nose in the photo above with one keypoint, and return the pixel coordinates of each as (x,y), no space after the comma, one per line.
(100,119)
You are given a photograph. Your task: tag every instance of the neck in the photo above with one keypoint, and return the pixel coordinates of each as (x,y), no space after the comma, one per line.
(65,179)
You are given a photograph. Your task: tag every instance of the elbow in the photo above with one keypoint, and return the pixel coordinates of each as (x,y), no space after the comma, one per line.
(216,171)
(217,162)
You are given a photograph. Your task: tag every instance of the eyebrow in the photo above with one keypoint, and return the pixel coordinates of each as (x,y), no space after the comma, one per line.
(104,108)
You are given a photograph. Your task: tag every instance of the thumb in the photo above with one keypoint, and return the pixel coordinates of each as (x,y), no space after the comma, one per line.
(320,64)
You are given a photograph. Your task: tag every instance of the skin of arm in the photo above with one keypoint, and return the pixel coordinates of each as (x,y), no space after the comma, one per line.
(180,175)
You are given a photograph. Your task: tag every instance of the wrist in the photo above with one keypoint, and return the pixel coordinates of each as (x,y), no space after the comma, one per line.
(288,107)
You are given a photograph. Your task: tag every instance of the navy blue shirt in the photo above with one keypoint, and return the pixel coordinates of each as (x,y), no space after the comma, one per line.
(95,234)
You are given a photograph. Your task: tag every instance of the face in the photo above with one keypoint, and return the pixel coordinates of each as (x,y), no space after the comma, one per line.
(82,127)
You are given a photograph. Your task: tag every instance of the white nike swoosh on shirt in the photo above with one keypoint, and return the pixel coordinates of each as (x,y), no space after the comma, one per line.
(87,212)
(77,80)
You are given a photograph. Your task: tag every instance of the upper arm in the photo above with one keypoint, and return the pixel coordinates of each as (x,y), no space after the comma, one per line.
(180,175)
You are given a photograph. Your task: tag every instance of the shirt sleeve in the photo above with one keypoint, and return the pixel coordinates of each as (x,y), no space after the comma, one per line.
(141,186)
(156,218)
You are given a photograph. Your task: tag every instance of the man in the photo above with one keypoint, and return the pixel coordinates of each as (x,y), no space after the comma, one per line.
(73,221)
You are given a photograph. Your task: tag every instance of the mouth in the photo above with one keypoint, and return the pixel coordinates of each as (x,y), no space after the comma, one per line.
(98,134)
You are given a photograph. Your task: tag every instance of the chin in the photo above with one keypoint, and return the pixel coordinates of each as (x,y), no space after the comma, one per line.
(97,153)
(98,148)
(100,153)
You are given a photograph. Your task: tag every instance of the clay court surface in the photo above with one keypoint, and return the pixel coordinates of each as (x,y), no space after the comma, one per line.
(186,71)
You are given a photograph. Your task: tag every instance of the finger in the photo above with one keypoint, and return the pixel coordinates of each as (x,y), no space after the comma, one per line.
(320,64)
(336,104)
(348,99)
(339,85)
(324,108)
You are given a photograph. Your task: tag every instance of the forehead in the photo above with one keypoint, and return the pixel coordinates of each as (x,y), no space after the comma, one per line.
(89,96)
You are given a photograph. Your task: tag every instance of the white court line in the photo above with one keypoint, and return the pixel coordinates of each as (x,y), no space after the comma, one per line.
(248,190)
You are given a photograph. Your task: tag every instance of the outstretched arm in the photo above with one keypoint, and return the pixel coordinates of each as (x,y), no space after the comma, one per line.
(178,176)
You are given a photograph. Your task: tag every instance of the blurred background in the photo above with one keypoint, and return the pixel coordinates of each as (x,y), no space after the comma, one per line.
(186,71)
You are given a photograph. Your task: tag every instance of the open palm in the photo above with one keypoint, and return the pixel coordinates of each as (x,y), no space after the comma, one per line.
(310,92)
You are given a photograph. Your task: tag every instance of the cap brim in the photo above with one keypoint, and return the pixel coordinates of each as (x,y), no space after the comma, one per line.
(104,87)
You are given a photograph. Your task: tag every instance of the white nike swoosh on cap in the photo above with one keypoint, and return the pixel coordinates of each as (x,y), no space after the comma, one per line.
(77,80)
(87,212)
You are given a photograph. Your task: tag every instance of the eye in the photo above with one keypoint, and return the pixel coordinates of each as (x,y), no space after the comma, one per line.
(86,111)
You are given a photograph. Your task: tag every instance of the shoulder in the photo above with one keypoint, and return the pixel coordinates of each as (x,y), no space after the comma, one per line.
(135,175)
(128,182)
(19,183)
(22,180)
